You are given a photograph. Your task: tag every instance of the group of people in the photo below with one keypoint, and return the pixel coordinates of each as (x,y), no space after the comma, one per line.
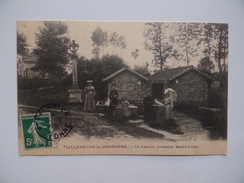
(168,101)
(116,109)
(121,109)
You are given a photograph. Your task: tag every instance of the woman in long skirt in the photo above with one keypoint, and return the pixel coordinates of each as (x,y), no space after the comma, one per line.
(38,140)
(89,105)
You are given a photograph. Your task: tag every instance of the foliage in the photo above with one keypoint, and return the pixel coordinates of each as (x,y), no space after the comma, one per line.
(22,46)
(52,49)
(121,43)
(135,54)
(215,41)
(143,70)
(185,35)
(97,70)
(221,49)
(117,41)
(35,83)
(206,65)
(113,39)
(157,43)
(100,39)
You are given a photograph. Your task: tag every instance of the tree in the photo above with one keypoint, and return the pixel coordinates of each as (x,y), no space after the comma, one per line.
(185,35)
(110,64)
(22,46)
(113,39)
(208,39)
(100,39)
(135,54)
(121,43)
(52,49)
(214,38)
(157,43)
(221,48)
(143,70)
(97,70)
(206,65)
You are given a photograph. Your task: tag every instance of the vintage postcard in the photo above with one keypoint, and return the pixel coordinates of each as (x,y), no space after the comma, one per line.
(122,88)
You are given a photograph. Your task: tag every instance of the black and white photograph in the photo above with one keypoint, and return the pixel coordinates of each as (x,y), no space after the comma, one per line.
(122,88)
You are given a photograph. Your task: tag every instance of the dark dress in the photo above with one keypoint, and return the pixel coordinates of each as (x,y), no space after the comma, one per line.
(113,96)
(148,102)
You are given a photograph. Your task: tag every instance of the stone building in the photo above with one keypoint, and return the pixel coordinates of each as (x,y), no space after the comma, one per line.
(24,67)
(130,84)
(191,85)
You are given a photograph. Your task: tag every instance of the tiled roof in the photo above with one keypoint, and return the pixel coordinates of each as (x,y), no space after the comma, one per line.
(169,74)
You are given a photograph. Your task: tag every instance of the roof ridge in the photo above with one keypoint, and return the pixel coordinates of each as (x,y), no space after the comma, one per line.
(172,73)
(123,69)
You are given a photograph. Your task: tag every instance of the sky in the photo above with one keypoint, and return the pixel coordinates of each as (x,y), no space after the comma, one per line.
(81,32)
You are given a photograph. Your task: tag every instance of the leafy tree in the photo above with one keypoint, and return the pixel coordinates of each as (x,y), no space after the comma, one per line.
(221,48)
(207,39)
(52,49)
(22,46)
(157,43)
(110,64)
(214,38)
(143,70)
(97,70)
(135,54)
(121,43)
(206,65)
(185,35)
(100,39)
(113,39)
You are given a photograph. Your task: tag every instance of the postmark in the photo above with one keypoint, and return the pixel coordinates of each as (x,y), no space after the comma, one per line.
(61,121)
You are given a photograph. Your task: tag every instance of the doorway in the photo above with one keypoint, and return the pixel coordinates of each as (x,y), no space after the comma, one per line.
(157,90)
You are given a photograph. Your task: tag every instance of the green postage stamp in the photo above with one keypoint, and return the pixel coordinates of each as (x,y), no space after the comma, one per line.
(36,130)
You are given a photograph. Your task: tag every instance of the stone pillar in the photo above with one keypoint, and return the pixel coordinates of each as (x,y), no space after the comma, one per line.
(75,92)
(75,75)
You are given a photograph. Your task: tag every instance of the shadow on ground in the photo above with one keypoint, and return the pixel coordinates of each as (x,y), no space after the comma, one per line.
(169,126)
(91,125)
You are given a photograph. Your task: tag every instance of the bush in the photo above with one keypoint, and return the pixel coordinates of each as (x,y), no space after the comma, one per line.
(35,83)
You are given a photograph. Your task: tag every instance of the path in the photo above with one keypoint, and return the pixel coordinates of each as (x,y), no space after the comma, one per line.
(92,126)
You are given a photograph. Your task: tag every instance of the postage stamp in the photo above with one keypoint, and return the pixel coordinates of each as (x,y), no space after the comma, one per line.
(36,130)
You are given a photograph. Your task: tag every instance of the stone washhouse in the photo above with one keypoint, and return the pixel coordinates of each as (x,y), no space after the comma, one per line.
(191,85)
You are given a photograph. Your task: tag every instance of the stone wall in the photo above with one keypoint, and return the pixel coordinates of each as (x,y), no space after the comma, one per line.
(191,88)
(129,86)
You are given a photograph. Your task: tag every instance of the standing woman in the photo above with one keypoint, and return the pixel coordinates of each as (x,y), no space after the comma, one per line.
(90,93)
(148,102)
(113,96)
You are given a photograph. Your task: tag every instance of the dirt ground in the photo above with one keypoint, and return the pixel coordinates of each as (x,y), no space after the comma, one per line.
(94,125)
